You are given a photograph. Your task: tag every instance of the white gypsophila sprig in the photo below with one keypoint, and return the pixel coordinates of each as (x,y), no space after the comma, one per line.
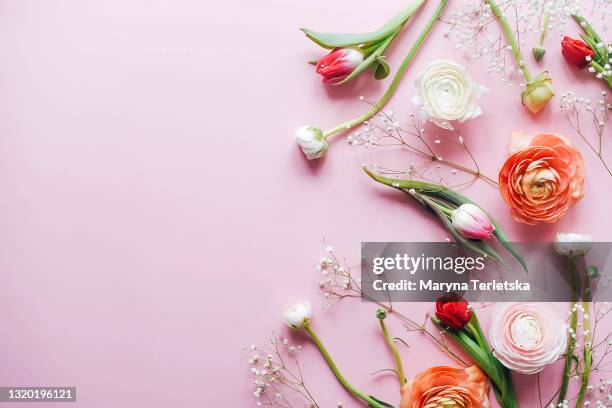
(384,131)
(589,119)
(473,29)
(338,282)
(277,376)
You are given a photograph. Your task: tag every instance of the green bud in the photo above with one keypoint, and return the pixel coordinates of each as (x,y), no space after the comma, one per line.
(538,53)
(381,314)
(592,271)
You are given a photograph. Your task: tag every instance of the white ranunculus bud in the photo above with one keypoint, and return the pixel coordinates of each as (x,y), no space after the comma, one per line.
(446,92)
(570,244)
(311,140)
(298,316)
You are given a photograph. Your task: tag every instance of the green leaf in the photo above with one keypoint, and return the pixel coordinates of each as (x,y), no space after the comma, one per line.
(382,69)
(370,59)
(587,27)
(601,55)
(380,402)
(335,40)
(451,196)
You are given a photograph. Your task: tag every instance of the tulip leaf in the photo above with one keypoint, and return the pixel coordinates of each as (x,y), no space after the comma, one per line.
(335,40)
(450,196)
(587,27)
(384,404)
(372,58)
(381,69)
(601,54)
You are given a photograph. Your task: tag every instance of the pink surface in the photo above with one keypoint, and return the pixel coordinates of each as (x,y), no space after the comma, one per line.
(158,216)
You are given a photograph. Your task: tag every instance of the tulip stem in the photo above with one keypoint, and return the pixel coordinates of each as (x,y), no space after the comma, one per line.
(516,50)
(393,347)
(376,107)
(571,342)
(332,365)
(587,345)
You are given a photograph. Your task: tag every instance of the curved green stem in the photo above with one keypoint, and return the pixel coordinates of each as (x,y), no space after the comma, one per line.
(544,28)
(376,107)
(571,342)
(587,346)
(332,365)
(516,50)
(396,355)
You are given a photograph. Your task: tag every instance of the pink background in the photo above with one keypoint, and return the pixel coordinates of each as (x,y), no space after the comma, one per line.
(158,216)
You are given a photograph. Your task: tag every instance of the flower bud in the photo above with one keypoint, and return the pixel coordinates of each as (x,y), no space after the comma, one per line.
(576,52)
(570,244)
(472,222)
(338,64)
(453,311)
(381,314)
(298,316)
(311,140)
(538,93)
(538,52)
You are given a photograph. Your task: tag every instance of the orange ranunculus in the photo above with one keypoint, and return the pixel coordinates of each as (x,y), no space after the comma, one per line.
(541,180)
(447,387)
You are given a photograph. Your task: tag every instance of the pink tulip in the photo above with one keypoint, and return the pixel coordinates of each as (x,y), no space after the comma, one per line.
(338,64)
(472,222)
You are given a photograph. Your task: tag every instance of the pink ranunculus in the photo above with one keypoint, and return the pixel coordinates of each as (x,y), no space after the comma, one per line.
(338,64)
(526,337)
(472,222)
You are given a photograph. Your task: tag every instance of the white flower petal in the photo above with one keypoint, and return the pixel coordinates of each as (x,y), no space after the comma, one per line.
(446,92)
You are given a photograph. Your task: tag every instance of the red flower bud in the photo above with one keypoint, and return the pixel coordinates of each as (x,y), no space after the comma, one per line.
(453,311)
(339,64)
(576,52)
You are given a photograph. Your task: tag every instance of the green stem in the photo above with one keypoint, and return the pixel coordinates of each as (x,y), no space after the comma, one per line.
(587,346)
(376,107)
(600,70)
(332,365)
(396,355)
(571,342)
(544,28)
(516,50)
(587,27)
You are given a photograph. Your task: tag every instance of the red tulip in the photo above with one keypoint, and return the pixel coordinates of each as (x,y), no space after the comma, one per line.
(453,311)
(576,52)
(339,64)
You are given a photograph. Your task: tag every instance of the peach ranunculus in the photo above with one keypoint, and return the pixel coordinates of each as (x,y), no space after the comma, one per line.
(542,178)
(447,387)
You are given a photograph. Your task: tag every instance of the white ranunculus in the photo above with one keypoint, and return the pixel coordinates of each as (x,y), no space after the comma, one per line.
(446,92)
(527,337)
(570,244)
(311,140)
(298,315)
